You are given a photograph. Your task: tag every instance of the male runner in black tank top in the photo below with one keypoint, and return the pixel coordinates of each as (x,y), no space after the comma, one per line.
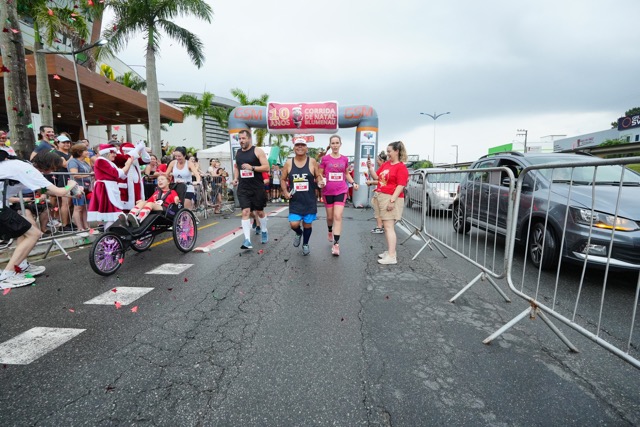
(247,173)
(297,183)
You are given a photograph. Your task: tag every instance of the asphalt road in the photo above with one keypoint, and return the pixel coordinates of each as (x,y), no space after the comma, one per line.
(270,337)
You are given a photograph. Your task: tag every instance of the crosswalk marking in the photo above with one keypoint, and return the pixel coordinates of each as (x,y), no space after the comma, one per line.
(123,295)
(34,343)
(169,269)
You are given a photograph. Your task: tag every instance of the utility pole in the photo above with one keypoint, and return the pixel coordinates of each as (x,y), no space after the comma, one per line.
(523,132)
(435,116)
(455,145)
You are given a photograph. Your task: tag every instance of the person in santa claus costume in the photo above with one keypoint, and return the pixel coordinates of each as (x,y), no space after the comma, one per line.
(135,183)
(106,205)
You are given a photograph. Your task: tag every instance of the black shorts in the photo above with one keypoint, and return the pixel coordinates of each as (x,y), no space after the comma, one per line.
(252,196)
(12,224)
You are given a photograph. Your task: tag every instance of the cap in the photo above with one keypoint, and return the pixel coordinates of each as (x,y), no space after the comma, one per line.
(126,147)
(299,141)
(106,148)
(63,138)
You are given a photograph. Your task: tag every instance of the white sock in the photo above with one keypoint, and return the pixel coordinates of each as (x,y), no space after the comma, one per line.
(263,223)
(246,228)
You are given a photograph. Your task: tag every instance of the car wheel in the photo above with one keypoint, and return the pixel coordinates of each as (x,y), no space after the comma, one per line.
(543,246)
(460,223)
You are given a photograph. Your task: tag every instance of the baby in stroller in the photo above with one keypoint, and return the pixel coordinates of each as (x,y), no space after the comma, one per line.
(161,199)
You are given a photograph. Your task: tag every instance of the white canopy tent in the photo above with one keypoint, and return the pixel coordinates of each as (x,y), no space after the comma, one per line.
(221,152)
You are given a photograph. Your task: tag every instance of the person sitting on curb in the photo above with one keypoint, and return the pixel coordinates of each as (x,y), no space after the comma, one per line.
(20,175)
(159,201)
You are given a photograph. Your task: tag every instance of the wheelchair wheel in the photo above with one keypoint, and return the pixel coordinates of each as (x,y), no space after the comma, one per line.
(143,243)
(185,231)
(106,254)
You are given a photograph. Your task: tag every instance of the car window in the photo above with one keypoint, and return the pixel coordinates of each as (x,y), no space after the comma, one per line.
(608,174)
(482,177)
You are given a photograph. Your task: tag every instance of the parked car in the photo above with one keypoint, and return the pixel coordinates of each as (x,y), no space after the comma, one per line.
(483,199)
(440,189)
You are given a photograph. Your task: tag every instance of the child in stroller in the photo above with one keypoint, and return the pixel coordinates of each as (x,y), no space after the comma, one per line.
(161,199)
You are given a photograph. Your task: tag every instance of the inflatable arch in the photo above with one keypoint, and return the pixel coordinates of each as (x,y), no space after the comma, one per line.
(311,118)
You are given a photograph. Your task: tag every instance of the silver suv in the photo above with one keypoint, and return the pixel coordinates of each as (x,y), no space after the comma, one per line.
(440,188)
(546,195)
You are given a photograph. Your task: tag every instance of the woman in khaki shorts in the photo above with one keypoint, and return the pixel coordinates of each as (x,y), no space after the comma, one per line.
(392,177)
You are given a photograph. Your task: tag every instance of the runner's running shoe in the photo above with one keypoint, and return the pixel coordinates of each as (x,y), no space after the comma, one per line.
(257,231)
(377,230)
(265,237)
(247,245)
(34,270)
(305,250)
(335,249)
(296,239)
(15,281)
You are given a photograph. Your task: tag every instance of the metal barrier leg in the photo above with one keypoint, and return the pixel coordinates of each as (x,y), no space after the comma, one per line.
(481,276)
(531,312)
(55,242)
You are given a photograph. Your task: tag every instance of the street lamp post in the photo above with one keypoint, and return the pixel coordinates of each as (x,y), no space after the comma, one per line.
(73,53)
(523,132)
(434,116)
(455,145)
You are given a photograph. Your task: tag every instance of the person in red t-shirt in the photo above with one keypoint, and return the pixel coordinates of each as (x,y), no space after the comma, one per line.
(392,177)
(159,201)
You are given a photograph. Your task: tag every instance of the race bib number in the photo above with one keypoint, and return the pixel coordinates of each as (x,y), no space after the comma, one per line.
(301,186)
(336,176)
(179,180)
(246,173)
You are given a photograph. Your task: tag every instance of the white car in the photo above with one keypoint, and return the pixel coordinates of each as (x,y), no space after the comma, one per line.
(441,187)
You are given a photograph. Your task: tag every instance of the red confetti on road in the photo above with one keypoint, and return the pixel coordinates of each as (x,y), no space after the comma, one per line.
(261,251)
(120,260)
(114,290)
(134,309)
(72,310)
(56,77)
(6,291)
(186,280)
(118,305)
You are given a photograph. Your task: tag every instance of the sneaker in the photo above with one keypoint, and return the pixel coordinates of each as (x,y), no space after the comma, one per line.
(265,237)
(53,223)
(377,230)
(253,224)
(296,239)
(34,270)
(15,281)
(388,260)
(257,231)
(68,228)
(335,249)
(383,254)
(305,250)
(247,245)
(6,243)
(330,236)
(132,220)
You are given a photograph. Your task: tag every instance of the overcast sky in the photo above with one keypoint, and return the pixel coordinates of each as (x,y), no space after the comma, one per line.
(549,66)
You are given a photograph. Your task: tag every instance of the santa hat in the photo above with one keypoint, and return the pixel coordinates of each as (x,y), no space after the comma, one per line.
(126,147)
(107,148)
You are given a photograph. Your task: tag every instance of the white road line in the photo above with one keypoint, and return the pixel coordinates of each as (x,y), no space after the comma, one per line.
(170,269)
(34,343)
(123,295)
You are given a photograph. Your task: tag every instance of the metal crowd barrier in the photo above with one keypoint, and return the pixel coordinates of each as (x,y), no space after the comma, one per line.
(574,223)
(51,214)
(443,204)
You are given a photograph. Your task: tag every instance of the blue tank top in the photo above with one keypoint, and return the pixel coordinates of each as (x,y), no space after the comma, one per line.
(302,181)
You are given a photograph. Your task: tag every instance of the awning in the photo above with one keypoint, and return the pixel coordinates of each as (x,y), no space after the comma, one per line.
(106,102)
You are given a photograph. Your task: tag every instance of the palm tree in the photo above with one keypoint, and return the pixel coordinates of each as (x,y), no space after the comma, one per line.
(52,20)
(243,99)
(132,81)
(16,86)
(150,18)
(202,107)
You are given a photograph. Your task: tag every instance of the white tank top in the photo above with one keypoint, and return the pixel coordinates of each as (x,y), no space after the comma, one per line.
(183,175)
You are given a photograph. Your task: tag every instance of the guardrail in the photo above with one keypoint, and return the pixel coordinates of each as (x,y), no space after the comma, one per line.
(583,213)
(445,204)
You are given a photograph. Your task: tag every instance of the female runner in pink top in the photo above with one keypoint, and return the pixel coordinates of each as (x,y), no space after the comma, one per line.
(333,168)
